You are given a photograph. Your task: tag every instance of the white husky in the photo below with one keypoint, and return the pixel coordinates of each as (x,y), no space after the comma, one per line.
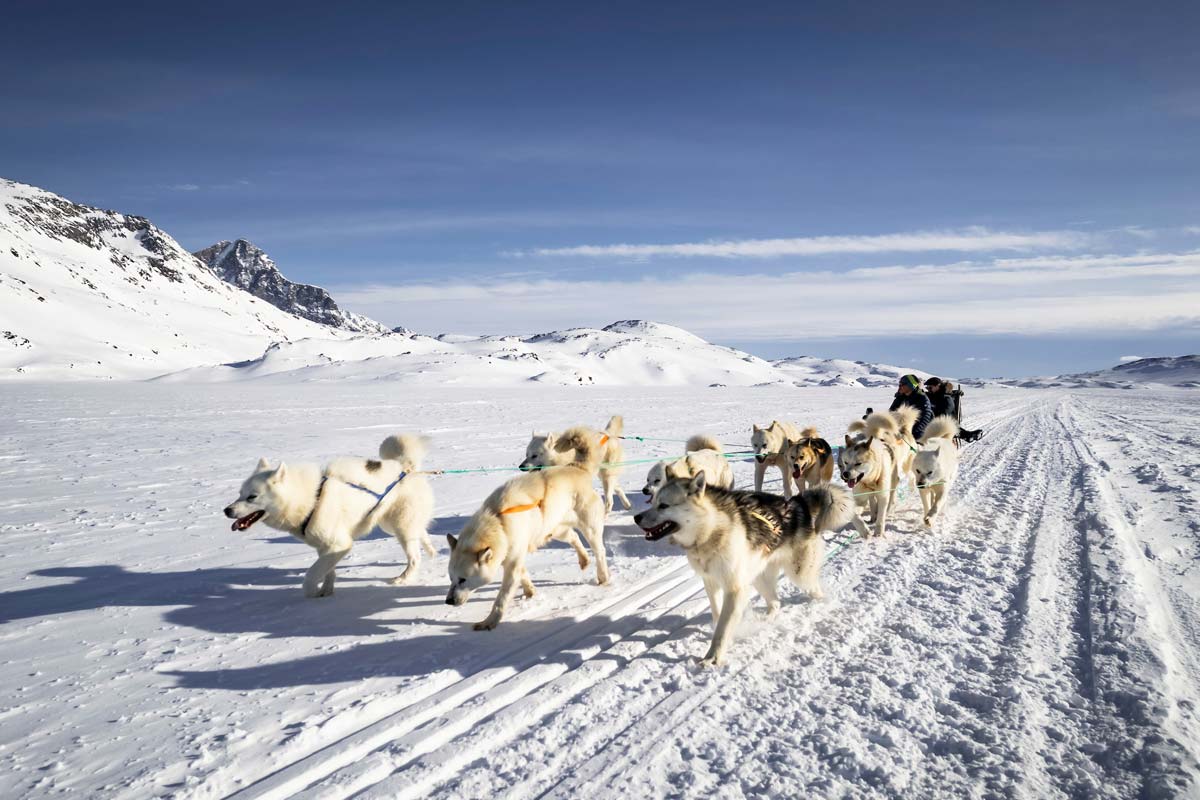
(935,465)
(771,450)
(874,461)
(328,509)
(524,514)
(701,454)
(547,450)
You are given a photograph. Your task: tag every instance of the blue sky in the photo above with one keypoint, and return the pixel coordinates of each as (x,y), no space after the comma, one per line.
(972,188)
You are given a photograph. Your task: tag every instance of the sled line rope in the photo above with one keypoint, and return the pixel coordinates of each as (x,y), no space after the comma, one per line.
(673,441)
(743,456)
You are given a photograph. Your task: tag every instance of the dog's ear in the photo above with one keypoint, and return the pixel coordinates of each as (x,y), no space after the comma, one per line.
(484,556)
(453,541)
(280,473)
(263,465)
(847,440)
(757,429)
(696,484)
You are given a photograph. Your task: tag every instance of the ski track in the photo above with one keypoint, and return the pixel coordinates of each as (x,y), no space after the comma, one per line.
(1042,642)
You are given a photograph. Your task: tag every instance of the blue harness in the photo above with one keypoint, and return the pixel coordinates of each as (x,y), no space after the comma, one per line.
(379,497)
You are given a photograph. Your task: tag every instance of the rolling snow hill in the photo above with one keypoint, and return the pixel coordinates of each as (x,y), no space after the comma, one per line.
(1177,371)
(625,353)
(248,267)
(89,293)
(814,371)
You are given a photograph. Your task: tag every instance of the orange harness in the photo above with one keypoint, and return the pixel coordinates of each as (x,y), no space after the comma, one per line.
(604,440)
(519,509)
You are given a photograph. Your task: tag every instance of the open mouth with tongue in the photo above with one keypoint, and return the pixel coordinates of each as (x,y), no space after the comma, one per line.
(852,481)
(660,530)
(242,523)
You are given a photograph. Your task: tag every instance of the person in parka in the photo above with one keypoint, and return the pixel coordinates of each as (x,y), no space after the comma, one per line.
(945,400)
(910,394)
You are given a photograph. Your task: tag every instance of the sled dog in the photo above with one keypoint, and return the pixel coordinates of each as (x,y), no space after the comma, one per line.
(524,514)
(738,540)
(935,465)
(546,450)
(330,508)
(701,454)
(811,458)
(872,464)
(770,446)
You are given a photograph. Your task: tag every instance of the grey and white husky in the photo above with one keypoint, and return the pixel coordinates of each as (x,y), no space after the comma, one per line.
(739,540)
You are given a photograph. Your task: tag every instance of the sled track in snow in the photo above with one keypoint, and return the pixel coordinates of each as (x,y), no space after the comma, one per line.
(826,640)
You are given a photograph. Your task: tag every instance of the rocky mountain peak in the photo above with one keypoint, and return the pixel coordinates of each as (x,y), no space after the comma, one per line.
(247,266)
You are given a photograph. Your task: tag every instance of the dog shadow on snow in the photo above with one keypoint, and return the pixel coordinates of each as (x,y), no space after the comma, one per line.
(266,599)
(454,646)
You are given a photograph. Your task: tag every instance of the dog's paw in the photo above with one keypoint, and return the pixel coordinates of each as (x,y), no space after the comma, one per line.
(487,625)
(584,562)
(710,662)
(401,579)
(772,612)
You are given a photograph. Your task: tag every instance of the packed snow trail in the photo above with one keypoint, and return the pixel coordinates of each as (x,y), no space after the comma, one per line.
(1042,642)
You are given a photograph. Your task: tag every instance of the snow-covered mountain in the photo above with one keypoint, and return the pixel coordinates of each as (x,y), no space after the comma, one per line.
(93,293)
(89,293)
(625,353)
(248,267)
(813,371)
(1178,371)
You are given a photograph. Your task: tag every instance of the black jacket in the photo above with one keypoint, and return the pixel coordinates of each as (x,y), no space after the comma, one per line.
(920,402)
(944,404)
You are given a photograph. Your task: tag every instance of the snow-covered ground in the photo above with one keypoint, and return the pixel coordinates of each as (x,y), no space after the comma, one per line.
(1045,641)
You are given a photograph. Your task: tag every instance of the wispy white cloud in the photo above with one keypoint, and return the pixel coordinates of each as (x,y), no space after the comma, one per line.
(1127,359)
(974,239)
(976,358)
(241,183)
(1031,296)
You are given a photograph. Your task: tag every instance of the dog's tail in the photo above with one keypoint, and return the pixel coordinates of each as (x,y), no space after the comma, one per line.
(407,448)
(826,508)
(810,433)
(702,442)
(906,417)
(814,511)
(943,427)
(615,426)
(583,441)
(856,427)
(882,425)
